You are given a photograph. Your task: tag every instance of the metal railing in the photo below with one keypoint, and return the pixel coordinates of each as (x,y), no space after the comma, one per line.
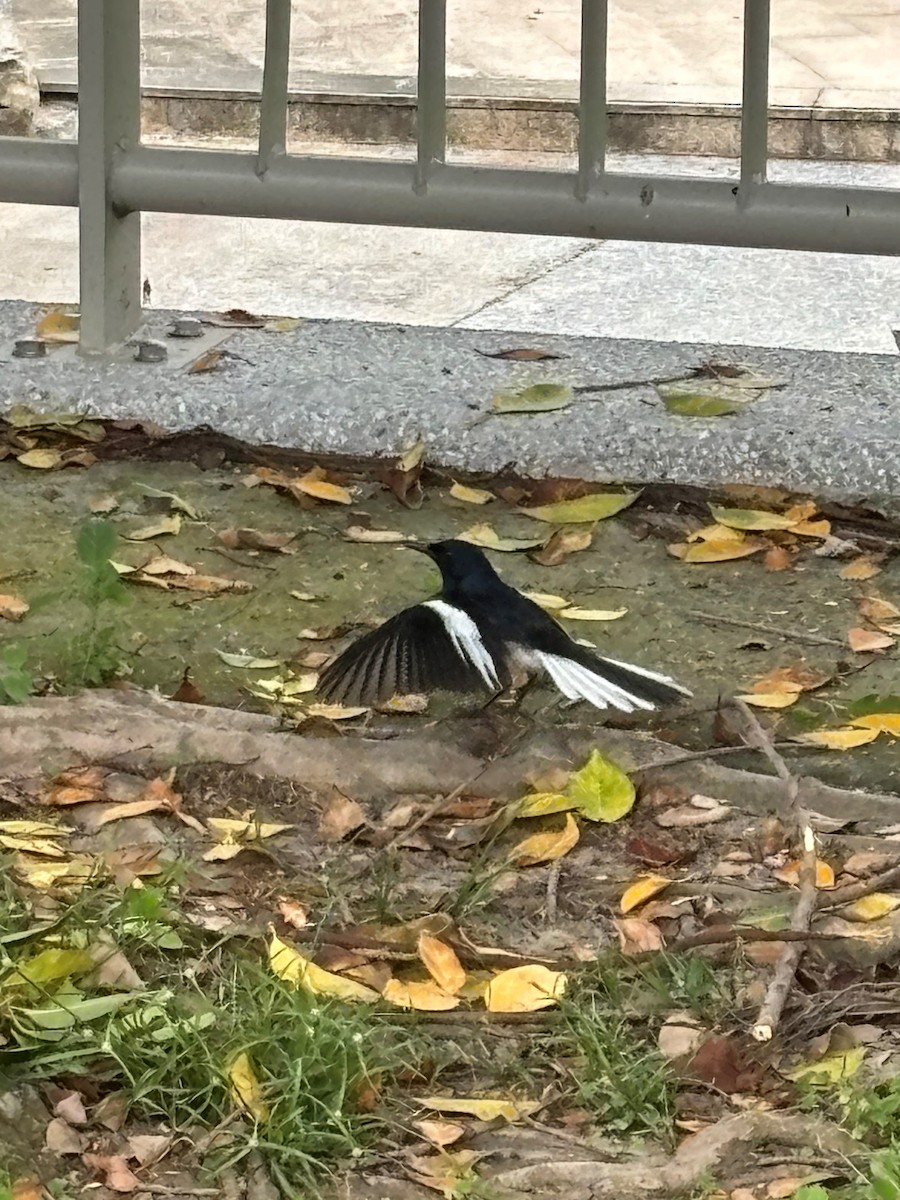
(112,177)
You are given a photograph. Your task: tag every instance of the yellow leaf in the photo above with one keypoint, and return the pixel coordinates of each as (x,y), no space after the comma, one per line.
(546,847)
(863,641)
(548,601)
(282,324)
(12,608)
(223,851)
(832,1068)
(717,550)
(716,533)
(524,989)
(600,790)
(817,529)
(863,567)
(31,845)
(486,536)
(40,460)
(59,326)
(470,495)
(641,891)
(751,518)
(334,712)
(423,996)
(871,908)
(790,873)
(39,873)
(321,489)
(441,963)
(247,830)
(42,829)
(543,804)
(595,507)
(158,529)
(487,1109)
(883,722)
(771,699)
(290,965)
(245,1089)
(838,739)
(411,457)
(592,614)
(796,678)
(161,564)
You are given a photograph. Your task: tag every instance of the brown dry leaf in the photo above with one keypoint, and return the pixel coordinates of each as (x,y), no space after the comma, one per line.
(313,484)
(519,354)
(863,567)
(680,1036)
(205,363)
(878,610)
(358,533)
(560,545)
(162,564)
(524,989)
(546,847)
(293,912)
(770,699)
(779,558)
(61,1138)
(637,936)
(187,692)
(118,1175)
(470,495)
(160,528)
(411,704)
(864,641)
(796,678)
(442,963)
(847,738)
(131,808)
(149,1148)
(340,817)
(423,996)
(641,891)
(442,1172)
(252,539)
(790,873)
(717,1062)
(440,1133)
(403,478)
(210,585)
(59,326)
(12,608)
(686,816)
(71,1108)
(29,1188)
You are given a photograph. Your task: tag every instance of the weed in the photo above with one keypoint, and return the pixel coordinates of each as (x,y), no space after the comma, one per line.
(95,656)
(16,684)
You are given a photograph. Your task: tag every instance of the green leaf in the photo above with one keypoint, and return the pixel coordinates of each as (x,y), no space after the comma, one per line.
(690,401)
(832,1068)
(542,804)
(596,507)
(57,1016)
(751,518)
(601,791)
(49,966)
(811,1191)
(865,706)
(540,397)
(485,535)
(170,940)
(96,542)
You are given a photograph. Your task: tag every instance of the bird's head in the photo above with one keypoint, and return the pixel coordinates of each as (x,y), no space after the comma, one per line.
(458,562)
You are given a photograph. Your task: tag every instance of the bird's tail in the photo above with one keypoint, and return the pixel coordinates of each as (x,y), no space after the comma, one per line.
(606,682)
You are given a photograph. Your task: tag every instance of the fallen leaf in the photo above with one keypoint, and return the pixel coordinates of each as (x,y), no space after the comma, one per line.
(690,400)
(519,354)
(176,502)
(751,518)
(247,829)
(712,545)
(245,1089)
(592,614)
(539,397)
(404,477)
(600,790)
(290,965)
(205,363)
(484,535)
(61,1138)
(641,891)
(524,989)
(770,699)
(162,564)
(27,1188)
(149,1148)
(41,459)
(680,1036)
(293,912)
(863,641)
(71,1109)
(357,533)
(488,1108)
(863,567)
(422,996)
(131,808)
(103,504)
(717,1062)
(871,908)
(545,847)
(877,610)
(442,1172)
(790,873)
(637,936)
(778,558)
(282,324)
(12,608)
(470,495)
(884,722)
(187,691)
(442,963)
(838,739)
(247,662)
(833,1068)
(594,507)
(59,326)
(560,545)
(409,704)
(652,853)
(311,484)
(118,1175)
(335,712)
(253,539)
(340,817)
(165,525)
(796,678)
(440,1133)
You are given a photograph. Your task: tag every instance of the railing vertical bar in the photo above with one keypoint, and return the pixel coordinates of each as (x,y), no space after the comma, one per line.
(431,101)
(109,122)
(755,94)
(273,103)
(592,116)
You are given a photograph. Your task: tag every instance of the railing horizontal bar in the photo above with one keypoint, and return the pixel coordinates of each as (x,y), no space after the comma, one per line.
(274,100)
(38,172)
(637,208)
(755,94)
(431,102)
(592,118)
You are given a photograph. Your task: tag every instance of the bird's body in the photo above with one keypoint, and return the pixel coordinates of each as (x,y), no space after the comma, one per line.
(480,635)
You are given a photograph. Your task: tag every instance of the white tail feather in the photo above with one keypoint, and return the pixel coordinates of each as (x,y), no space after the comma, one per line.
(667,679)
(579,683)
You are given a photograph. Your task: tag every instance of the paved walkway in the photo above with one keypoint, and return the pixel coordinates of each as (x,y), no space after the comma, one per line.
(825,53)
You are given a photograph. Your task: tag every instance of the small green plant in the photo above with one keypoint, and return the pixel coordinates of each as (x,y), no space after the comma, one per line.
(94,655)
(16,684)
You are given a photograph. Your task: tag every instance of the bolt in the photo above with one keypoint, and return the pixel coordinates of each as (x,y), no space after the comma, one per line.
(186,327)
(151,351)
(29,348)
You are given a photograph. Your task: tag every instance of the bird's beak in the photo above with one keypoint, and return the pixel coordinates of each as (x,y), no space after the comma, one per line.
(422,547)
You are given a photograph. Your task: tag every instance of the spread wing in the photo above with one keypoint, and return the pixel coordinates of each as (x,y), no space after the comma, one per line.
(429,647)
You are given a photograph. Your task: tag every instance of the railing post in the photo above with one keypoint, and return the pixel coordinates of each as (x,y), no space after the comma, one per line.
(109,121)
(755,96)
(431,95)
(592,117)
(273,101)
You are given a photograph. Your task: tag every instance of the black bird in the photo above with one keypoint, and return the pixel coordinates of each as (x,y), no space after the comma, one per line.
(477,636)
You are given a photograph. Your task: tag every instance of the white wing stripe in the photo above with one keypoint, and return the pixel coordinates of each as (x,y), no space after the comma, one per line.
(650,675)
(466,639)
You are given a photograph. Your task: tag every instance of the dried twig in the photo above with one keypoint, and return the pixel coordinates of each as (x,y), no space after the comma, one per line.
(552,888)
(780,985)
(790,635)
